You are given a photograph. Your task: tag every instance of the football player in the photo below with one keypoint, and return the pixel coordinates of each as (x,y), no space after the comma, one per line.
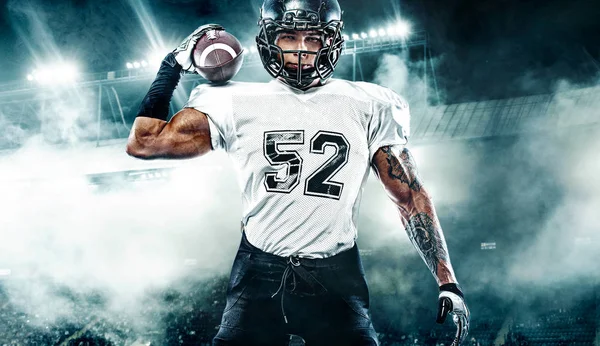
(303,145)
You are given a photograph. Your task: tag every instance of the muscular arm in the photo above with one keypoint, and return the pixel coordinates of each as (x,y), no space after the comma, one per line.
(397,171)
(187,135)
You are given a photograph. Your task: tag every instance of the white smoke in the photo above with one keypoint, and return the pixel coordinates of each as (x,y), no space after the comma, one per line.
(566,242)
(14,133)
(58,232)
(64,240)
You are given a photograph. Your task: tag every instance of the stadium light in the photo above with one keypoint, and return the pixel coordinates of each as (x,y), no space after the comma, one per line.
(363,35)
(381,32)
(56,74)
(372,33)
(69,72)
(391,31)
(403,29)
(155,58)
(253,49)
(355,36)
(152,60)
(42,77)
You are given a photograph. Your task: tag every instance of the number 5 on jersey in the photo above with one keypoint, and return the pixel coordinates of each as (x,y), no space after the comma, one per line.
(319,183)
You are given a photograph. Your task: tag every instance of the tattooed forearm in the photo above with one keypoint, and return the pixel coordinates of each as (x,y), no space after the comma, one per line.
(426,237)
(404,169)
(398,172)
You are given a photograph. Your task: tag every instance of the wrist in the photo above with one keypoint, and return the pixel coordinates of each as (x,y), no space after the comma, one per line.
(156,102)
(452,287)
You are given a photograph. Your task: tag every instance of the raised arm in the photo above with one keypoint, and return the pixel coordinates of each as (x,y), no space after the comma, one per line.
(187,135)
(397,171)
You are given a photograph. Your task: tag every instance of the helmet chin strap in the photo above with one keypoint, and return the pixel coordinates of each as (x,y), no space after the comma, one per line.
(315,83)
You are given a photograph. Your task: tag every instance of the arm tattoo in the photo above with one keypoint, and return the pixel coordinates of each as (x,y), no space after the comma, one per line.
(425,236)
(404,170)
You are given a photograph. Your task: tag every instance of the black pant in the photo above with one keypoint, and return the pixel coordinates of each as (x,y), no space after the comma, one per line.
(325,301)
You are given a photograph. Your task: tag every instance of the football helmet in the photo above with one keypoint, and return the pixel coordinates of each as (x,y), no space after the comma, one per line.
(323,16)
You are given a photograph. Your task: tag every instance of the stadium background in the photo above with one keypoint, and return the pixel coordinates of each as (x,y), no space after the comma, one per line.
(100,248)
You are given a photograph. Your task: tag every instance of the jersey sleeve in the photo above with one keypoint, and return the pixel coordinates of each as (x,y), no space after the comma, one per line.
(390,123)
(216,103)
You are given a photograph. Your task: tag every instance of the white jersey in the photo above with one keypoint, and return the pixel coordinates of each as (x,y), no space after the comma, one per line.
(302,157)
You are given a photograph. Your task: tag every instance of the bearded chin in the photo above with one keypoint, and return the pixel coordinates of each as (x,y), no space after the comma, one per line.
(305,72)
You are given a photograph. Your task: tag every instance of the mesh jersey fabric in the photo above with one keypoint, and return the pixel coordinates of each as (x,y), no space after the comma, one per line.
(302,157)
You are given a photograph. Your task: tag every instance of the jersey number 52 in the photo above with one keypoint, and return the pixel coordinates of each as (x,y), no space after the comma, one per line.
(319,183)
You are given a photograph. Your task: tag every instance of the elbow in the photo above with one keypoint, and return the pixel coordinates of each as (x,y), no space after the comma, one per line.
(405,205)
(143,141)
(405,209)
(134,149)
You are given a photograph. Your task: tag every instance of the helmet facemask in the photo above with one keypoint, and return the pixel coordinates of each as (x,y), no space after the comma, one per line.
(326,58)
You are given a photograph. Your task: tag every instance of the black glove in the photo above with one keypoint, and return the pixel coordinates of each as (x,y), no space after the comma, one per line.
(451,300)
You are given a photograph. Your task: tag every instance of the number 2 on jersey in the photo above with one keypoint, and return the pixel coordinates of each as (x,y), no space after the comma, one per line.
(319,183)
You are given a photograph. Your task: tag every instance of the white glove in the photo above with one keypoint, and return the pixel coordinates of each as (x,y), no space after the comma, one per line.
(184,54)
(449,302)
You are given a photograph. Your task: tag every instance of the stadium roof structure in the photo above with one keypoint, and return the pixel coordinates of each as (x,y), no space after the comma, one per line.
(506,117)
(461,121)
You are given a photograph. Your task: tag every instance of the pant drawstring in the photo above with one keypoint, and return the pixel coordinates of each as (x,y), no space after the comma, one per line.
(294,267)
(281,288)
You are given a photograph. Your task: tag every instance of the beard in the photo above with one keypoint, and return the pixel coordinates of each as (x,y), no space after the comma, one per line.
(293,70)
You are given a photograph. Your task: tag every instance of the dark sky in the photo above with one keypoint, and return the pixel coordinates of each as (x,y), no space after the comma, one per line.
(487,49)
